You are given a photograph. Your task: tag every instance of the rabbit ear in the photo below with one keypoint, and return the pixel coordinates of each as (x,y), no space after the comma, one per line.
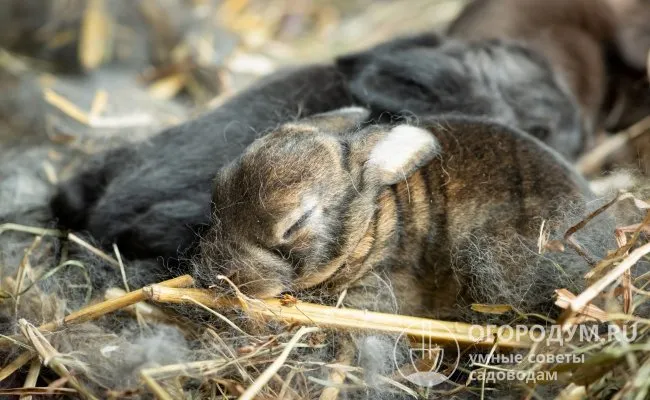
(400,152)
(416,81)
(335,122)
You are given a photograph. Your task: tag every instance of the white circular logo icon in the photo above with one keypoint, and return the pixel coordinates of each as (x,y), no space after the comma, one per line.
(426,357)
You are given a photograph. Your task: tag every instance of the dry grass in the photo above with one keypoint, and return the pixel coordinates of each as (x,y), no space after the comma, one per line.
(611,365)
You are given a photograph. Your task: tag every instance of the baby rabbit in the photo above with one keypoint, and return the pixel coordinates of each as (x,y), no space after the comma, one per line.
(152,199)
(438,214)
(503,81)
(552,83)
(573,35)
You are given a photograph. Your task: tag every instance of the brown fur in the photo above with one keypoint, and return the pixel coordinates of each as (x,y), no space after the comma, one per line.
(574,35)
(629,97)
(633,30)
(314,206)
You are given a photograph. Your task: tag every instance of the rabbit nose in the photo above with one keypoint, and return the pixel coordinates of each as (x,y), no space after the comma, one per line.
(256,271)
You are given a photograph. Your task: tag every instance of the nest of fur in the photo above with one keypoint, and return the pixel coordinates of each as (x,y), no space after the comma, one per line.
(168,340)
(73,324)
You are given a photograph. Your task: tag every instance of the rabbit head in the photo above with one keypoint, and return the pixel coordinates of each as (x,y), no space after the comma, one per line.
(296,205)
(496,79)
(573,36)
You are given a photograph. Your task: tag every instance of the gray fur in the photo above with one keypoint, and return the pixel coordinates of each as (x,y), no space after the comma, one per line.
(500,80)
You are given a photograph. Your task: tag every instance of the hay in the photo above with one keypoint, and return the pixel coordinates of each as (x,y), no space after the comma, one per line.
(253,359)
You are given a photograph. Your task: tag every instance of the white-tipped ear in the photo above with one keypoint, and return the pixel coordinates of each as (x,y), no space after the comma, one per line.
(401,152)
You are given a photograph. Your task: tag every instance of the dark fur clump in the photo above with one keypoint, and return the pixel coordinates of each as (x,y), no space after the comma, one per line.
(151,199)
(499,80)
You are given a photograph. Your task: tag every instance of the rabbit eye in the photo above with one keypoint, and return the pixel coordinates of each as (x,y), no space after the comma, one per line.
(297,225)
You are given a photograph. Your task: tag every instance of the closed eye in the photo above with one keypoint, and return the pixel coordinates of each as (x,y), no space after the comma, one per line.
(297,225)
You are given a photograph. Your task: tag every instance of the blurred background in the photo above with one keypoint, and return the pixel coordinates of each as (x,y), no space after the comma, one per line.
(109,58)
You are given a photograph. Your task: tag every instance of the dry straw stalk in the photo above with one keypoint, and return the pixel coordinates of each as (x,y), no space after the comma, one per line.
(266,376)
(579,303)
(50,357)
(95,311)
(338,318)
